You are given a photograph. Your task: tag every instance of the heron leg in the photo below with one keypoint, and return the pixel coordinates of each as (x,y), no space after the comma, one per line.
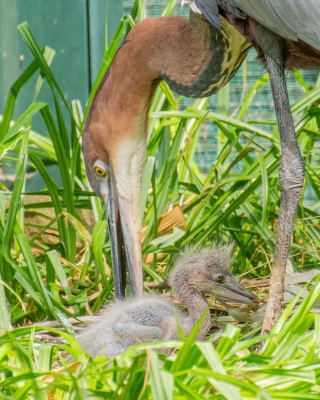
(291,180)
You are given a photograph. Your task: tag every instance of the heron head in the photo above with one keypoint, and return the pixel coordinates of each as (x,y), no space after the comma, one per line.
(108,163)
(208,272)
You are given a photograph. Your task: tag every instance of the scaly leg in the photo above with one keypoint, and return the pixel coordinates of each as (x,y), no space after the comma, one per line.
(291,180)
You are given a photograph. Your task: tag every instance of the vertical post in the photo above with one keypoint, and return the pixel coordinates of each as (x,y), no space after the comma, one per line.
(103,19)
(114,12)
(9,45)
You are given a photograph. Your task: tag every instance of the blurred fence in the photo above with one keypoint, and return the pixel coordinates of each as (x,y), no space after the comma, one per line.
(261,108)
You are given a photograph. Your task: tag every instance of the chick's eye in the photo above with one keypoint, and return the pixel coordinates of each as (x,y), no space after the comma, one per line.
(100,171)
(218,277)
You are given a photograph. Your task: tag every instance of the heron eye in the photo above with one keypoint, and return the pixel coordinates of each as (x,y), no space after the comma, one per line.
(100,171)
(218,277)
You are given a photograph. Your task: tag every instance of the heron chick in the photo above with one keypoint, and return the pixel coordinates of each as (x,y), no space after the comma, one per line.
(152,318)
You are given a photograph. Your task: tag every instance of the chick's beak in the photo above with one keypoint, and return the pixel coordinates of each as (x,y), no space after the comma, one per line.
(231,290)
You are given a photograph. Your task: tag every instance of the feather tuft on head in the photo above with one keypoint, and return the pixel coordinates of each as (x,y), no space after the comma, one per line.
(215,258)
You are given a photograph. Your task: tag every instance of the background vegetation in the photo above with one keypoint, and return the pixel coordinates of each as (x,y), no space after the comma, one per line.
(70,275)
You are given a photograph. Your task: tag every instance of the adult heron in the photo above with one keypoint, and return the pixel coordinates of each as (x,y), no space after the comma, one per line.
(196,58)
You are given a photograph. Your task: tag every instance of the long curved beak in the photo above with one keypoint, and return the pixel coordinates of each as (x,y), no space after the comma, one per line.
(124,238)
(233,291)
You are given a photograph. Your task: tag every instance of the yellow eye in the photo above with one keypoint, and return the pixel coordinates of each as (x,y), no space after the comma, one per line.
(100,171)
(218,277)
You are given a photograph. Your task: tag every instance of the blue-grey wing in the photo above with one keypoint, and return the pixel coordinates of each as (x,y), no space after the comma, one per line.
(209,8)
(302,16)
(291,19)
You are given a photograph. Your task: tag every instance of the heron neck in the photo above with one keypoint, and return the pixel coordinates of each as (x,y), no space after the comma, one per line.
(192,56)
(196,304)
(198,307)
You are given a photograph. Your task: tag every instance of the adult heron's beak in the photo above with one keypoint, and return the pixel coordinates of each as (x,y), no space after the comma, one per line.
(231,290)
(124,230)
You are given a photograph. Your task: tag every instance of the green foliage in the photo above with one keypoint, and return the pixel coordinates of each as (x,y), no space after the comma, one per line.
(238,200)
(225,367)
